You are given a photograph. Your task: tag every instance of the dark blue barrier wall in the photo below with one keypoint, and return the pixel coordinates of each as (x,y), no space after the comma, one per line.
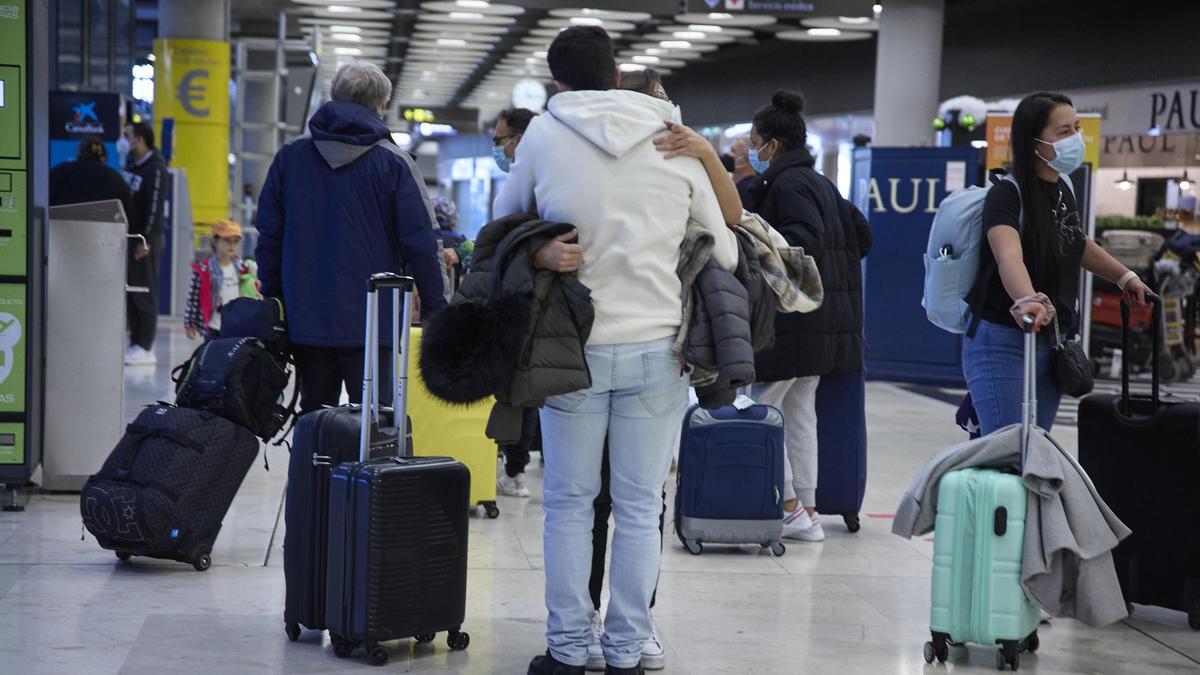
(899,190)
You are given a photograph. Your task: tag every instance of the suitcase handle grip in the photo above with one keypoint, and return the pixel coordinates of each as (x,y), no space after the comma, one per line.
(390,280)
(1155,338)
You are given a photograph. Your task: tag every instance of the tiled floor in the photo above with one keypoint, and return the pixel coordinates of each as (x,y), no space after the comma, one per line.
(855,604)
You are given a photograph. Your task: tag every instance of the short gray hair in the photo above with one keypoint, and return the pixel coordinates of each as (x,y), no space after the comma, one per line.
(362,83)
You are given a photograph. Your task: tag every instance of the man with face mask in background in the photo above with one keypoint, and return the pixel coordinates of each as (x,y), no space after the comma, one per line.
(744,175)
(510,128)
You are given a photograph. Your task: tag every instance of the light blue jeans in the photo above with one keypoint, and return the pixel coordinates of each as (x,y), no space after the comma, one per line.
(994,364)
(637,399)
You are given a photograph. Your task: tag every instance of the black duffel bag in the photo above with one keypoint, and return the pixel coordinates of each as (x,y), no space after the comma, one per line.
(238,379)
(262,320)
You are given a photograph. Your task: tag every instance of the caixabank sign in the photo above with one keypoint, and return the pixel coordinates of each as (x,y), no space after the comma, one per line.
(76,115)
(899,190)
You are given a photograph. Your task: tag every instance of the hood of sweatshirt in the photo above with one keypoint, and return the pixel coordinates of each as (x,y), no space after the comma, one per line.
(344,131)
(615,121)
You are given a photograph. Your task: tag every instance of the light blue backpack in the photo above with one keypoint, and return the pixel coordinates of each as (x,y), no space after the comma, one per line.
(952,255)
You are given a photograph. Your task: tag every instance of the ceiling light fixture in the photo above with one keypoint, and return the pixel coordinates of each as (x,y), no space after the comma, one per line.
(703,28)
(539,55)
(465,16)
(1125,183)
(689,35)
(345,29)
(675,44)
(343,9)
(473,4)
(854,20)
(451,42)
(657,51)
(586,21)
(720,16)
(877,9)
(346,37)
(1185,183)
(824,32)
(631,67)
(646,59)
(348,51)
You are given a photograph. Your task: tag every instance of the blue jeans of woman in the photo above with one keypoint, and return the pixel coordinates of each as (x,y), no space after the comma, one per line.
(637,399)
(994,365)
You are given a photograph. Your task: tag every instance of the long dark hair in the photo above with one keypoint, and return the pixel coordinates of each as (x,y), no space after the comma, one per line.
(1039,231)
(783,120)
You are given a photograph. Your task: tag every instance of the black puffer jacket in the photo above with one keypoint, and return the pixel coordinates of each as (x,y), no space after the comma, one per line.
(512,331)
(806,208)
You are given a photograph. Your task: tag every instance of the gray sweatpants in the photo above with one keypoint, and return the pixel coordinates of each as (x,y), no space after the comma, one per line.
(797,400)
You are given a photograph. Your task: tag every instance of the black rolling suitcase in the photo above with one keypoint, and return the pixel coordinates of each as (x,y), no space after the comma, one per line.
(165,488)
(1143,455)
(322,440)
(397,556)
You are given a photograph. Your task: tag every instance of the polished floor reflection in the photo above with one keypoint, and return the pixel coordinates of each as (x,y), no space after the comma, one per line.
(853,604)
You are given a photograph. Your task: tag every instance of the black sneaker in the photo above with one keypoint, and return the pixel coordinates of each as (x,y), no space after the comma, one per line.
(636,670)
(546,664)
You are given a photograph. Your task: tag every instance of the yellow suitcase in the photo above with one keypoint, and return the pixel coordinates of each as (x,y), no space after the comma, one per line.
(444,430)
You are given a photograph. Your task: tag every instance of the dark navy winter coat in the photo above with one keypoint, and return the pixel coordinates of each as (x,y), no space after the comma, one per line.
(335,208)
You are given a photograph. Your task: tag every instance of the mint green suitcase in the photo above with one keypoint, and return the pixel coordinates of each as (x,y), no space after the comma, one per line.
(980,533)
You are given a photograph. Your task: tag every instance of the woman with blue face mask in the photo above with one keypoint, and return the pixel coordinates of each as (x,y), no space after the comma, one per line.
(807,209)
(1036,244)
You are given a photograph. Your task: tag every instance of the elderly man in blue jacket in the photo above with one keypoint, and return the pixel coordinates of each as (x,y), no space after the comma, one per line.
(338,205)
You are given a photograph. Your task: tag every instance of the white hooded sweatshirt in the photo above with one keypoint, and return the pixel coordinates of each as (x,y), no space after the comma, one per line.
(591,162)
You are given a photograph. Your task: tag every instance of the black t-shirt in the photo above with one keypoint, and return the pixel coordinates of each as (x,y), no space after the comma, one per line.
(1003,208)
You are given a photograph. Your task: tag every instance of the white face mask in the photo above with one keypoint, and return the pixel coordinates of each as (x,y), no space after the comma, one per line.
(123,148)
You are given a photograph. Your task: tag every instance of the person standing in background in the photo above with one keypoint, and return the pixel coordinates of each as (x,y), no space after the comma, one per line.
(510,128)
(744,175)
(146,173)
(88,178)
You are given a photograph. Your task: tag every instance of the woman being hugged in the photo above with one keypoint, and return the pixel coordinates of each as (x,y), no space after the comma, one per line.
(1036,245)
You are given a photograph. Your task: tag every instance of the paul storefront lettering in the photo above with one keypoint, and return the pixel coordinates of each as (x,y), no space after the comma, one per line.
(904,195)
(1176,110)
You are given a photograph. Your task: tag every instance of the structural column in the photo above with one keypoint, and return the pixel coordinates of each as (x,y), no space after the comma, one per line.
(191,98)
(908,69)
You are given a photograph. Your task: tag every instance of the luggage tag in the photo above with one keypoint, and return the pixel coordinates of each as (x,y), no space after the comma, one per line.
(744,402)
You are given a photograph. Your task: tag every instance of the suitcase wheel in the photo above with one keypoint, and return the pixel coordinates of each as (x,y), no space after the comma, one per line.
(424,638)
(458,640)
(493,511)
(341,646)
(937,649)
(852,522)
(124,555)
(203,561)
(1194,621)
(379,655)
(1032,643)
(293,630)
(777,548)
(1007,656)
(694,547)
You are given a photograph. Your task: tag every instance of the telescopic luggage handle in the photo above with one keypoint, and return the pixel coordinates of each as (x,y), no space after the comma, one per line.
(1126,338)
(402,302)
(1029,406)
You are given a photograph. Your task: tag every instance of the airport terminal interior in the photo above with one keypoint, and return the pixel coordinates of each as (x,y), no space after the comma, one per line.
(215,215)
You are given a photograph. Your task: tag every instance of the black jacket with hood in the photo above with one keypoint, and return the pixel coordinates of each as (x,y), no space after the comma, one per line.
(806,208)
(512,331)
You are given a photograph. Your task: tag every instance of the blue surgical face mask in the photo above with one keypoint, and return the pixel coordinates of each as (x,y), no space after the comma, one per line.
(756,163)
(1068,153)
(502,159)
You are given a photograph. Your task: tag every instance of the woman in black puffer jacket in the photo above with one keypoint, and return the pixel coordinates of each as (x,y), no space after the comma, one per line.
(806,208)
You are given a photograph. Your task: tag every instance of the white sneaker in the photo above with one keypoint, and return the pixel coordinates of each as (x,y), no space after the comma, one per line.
(595,659)
(653,655)
(512,487)
(137,356)
(799,525)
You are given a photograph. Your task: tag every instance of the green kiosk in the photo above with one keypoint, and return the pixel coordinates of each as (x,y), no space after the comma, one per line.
(23,200)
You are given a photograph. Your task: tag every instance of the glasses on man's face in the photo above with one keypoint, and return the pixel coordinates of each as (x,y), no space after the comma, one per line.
(501,140)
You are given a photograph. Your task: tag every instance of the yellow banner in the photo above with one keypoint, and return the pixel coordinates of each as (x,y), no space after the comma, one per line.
(191,87)
(999,150)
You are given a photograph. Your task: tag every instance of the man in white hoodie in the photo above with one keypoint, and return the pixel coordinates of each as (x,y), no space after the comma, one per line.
(591,162)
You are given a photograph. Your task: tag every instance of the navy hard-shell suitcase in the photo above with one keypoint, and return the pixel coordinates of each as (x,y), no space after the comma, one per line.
(730,478)
(842,446)
(397,526)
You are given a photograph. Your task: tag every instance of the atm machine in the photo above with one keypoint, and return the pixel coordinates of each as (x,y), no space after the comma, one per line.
(24,172)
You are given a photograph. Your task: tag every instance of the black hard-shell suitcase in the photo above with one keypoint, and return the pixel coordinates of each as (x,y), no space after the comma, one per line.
(1143,455)
(322,440)
(397,537)
(165,488)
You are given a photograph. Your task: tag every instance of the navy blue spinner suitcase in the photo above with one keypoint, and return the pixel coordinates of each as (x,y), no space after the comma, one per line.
(397,526)
(842,446)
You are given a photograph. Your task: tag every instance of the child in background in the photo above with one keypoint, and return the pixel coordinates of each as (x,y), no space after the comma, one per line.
(219,280)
